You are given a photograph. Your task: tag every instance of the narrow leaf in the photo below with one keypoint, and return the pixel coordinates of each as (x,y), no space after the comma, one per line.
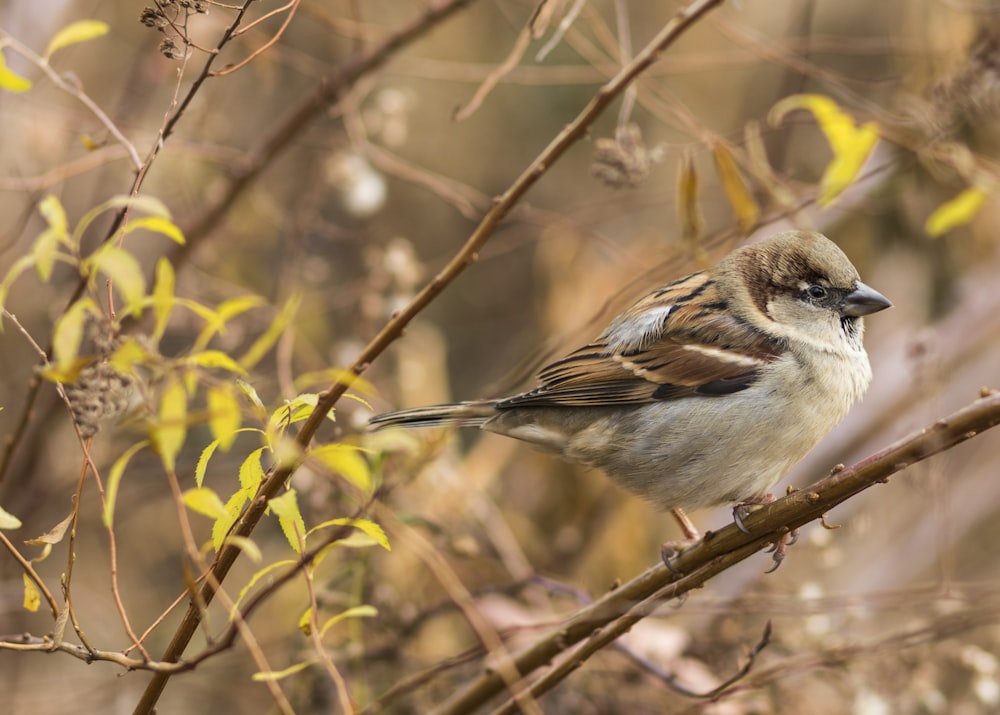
(851,145)
(74,33)
(114,481)
(163,297)
(369,528)
(32,597)
(171,429)
(156,224)
(11,81)
(222,525)
(270,336)
(363,611)
(740,199)
(273,675)
(215,359)
(224,415)
(251,471)
(688,191)
(202,467)
(122,268)
(68,333)
(956,212)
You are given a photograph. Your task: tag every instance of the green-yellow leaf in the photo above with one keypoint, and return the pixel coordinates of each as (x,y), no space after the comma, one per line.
(224,415)
(204,501)
(249,392)
(68,333)
(54,214)
(215,359)
(163,297)
(128,353)
(156,224)
(73,33)
(202,467)
(271,335)
(260,575)
(114,480)
(44,251)
(251,471)
(363,611)
(272,675)
(347,461)
(247,546)
(32,597)
(171,428)
(369,528)
(222,525)
(286,507)
(122,268)
(335,376)
(740,199)
(956,212)
(8,521)
(20,266)
(851,144)
(11,81)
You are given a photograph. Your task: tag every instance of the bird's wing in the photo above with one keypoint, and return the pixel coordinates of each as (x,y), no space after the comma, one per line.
(679,341)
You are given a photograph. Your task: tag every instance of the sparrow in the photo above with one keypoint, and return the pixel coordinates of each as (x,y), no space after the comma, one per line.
(708,389)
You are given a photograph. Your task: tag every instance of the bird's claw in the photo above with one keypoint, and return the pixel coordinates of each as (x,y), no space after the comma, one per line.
(671,549)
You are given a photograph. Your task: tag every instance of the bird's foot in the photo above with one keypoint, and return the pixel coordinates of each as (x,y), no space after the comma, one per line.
(780,546)
(670,550)
(745,508)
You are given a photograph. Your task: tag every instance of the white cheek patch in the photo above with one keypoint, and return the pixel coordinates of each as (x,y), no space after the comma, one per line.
(726,356)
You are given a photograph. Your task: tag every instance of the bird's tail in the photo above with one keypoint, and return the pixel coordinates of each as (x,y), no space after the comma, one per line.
(461,414)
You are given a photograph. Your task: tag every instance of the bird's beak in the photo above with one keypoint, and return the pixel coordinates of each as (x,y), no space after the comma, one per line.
(864,300)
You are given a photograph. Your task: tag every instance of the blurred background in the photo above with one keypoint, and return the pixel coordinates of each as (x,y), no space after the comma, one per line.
(896,611)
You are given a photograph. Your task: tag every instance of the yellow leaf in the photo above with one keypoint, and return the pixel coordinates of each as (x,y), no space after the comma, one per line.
(740,199)
(20,266)
(68,333)
(295,410)
(114,480)
(249,392)
(851,145)
(215,359)
(157,224)
(369,528)
(204,501)
(202,467)
(44,252)
(122,268)
(224,415)
(251,471)
(247,546)
(346,461)
(233,509)
(8,521)
(11,81)
(73,33)
(305,622)
(335,376)
(286,507)
(260,575)
(127,355)
(171,429)
(32,597)
(55,216)
(270,336)
(272,675)
(956,212)
(163,297)
(363,611)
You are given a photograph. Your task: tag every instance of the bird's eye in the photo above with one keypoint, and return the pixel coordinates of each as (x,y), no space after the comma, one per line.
(816,291)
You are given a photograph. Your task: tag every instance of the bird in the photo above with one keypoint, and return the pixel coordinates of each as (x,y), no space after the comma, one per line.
(708,389)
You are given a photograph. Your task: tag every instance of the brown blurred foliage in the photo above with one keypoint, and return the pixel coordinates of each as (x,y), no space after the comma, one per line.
(896,611)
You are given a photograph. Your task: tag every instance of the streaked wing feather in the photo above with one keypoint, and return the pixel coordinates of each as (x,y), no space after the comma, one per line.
(698,348)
